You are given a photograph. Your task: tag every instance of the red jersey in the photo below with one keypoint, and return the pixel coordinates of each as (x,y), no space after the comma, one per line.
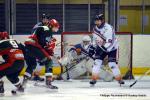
(10,52)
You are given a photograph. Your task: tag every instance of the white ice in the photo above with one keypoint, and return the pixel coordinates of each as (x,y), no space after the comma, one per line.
(81,90)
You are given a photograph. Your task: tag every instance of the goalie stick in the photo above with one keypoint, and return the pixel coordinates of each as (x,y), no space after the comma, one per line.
(147,72)
(71,66)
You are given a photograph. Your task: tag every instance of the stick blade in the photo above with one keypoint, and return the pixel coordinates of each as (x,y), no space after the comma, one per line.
(133,84)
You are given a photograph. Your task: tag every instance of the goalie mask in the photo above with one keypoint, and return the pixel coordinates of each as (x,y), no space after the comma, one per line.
(86,40)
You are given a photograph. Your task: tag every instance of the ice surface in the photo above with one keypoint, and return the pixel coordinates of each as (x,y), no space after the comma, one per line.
(81,90)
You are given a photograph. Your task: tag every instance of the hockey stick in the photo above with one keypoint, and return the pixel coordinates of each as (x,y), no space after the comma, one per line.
(73,66)
(147,72)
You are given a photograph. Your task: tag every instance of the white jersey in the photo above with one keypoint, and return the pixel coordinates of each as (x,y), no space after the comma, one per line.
(106,33)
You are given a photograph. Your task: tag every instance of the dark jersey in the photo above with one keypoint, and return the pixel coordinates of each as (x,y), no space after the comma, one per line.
(41,36)
(40,39)
(8,44)
(10,52)
(36,25)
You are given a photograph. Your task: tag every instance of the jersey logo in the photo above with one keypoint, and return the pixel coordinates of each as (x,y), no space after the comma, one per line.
(13,43)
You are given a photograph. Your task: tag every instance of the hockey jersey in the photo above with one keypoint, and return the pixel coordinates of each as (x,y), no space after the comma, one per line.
(36,25)
(10,52)
(40,38)
(106,33)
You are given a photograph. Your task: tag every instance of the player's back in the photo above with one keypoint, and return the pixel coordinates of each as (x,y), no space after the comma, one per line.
(9,44)
(10,50)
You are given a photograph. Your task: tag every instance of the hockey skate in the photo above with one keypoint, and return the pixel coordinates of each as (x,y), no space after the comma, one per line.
(1,87)
(92,83)
(19,89)
(25,80)
(121,82)
(49,85)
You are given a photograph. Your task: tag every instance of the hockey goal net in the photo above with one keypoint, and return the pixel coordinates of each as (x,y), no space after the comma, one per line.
(69,39)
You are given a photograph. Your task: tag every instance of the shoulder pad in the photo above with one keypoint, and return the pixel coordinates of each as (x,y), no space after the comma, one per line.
(107,26)
(45,28)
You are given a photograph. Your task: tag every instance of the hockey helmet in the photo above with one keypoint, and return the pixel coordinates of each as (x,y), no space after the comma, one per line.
(4,35)
(54,23)
(86,38)
(99,17)
(44,16)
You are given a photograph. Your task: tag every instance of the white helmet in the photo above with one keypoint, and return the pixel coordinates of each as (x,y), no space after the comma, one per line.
(86,38)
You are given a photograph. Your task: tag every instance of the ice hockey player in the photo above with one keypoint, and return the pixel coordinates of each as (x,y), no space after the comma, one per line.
(36,73)
(75,57)
(12,61)
(82,49)
(104,39)
(37,47)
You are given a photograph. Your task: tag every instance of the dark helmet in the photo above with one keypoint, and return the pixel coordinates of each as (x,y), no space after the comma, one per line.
(99,17)
(45,16)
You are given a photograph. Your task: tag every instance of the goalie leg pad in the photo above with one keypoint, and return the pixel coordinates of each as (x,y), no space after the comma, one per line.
(76,71)
(115,69)
(96,66)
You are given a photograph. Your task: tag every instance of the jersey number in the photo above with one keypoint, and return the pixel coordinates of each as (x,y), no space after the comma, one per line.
(14,44)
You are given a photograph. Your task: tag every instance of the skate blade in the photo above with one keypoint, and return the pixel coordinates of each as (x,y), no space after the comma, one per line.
(45,86)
